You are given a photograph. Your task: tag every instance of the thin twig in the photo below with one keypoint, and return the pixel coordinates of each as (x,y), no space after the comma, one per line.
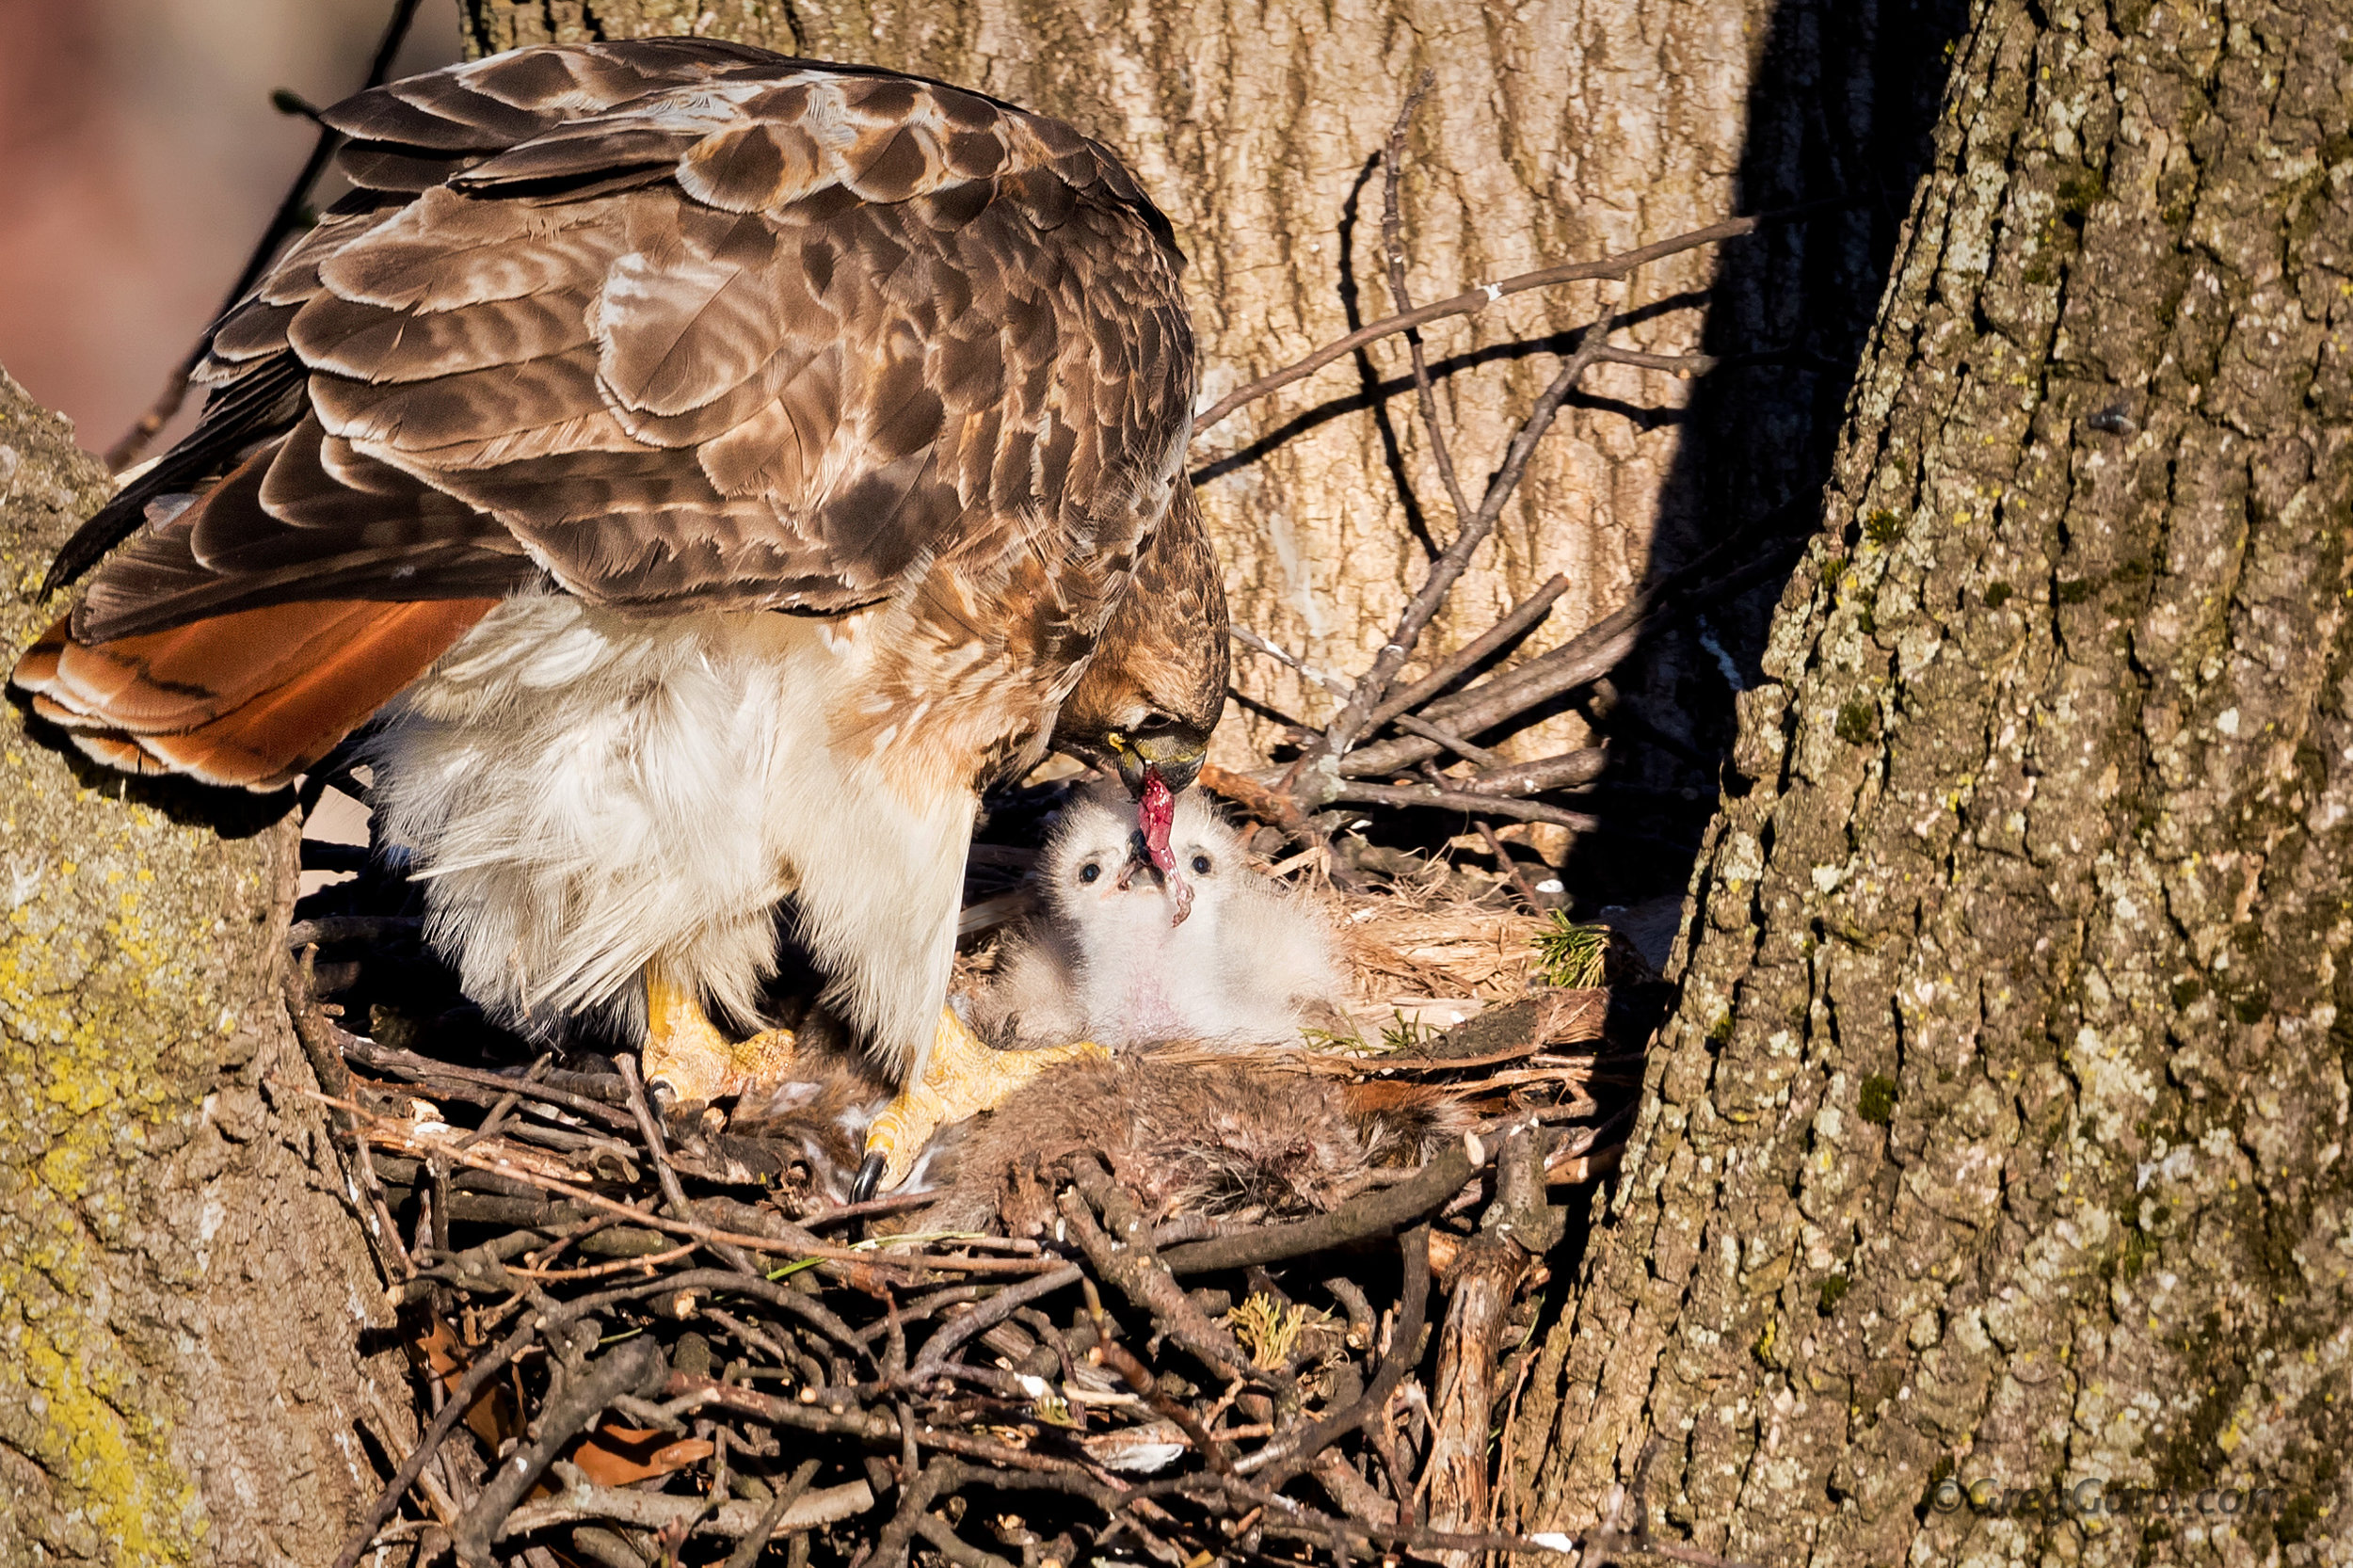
(873,1208)
(1342,690)
(1139,1376)
(1579,662)
(1354,793)
(426,1071)
(1454,665)
(461,1398)
(601,1270)
(1510,867)
(1473,300)
(1685,365)
(791,1246)
(954,1547)
(283,223)
(651,1131)
(1373,685)
(1393,246)
(1284,656)
(942,1344)
(1440,735)
(756,1540)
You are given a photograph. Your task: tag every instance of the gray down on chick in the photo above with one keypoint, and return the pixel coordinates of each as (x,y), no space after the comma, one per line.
(1107,957)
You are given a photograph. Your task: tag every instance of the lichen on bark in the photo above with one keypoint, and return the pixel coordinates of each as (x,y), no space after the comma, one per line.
(2021,1158)
(180,1292)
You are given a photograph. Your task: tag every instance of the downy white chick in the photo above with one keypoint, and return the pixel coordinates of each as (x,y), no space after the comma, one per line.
(1113,956)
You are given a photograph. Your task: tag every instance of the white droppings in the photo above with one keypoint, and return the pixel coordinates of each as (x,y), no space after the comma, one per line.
(1724,664)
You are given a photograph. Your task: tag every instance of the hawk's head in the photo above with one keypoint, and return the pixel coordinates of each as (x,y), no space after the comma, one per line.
(1157,684)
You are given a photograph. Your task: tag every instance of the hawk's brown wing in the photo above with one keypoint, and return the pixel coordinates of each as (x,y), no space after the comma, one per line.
(677,324)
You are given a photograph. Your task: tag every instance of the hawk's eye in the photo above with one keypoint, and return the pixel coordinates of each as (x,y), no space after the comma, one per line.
(1089,871)
(1200,865)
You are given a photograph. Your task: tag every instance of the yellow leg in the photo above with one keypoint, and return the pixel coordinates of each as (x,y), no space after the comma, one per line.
(689,1059)
(960,1077)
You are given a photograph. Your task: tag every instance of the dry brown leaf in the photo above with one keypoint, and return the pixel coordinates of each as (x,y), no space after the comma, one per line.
(615,1456)
(494,1417)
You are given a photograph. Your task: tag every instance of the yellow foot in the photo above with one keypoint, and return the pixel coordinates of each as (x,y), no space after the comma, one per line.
(959,1077)
(687,1058)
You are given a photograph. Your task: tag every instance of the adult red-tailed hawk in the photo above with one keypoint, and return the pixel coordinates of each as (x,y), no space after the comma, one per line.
(711,468)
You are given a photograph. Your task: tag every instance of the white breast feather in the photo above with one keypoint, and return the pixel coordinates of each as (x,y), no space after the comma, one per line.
(585,793)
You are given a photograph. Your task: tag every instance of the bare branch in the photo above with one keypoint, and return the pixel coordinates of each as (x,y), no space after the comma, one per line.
(1685,365)
(1582,660)
(1510,867)
(1457,800)
(1393,244)
(1448,670)
(1450,740)
(1341,689)
(1449,565)
(1568,769)
(1374,1214)
(1471,301)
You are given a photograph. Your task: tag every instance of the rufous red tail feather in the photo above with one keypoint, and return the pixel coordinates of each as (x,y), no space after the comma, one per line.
(249,698)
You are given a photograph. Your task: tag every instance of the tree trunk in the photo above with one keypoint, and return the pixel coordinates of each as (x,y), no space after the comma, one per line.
(1564,129)
(180,1287)
(1997,1143)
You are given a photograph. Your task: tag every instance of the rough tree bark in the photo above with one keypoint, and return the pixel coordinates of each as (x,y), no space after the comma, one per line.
(2000,1134)
(182,1292)
(1559,130)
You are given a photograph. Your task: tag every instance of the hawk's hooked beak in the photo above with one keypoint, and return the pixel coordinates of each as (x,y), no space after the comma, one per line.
(1175,754)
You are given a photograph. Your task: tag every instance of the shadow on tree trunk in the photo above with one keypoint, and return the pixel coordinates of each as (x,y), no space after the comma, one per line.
(1843,100)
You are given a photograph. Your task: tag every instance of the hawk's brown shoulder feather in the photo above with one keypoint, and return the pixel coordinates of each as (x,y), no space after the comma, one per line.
(681,326)
(685,324)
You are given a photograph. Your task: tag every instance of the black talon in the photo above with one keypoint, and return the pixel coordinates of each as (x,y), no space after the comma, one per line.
(870,1175)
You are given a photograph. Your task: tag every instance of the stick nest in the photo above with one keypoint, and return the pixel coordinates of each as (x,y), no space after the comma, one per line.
(622,1357)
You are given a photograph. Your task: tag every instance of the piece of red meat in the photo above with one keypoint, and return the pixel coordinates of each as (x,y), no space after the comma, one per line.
(1156,812)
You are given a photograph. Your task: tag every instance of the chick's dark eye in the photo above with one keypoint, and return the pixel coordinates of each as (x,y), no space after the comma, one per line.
(1089,871)
(1200,865)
